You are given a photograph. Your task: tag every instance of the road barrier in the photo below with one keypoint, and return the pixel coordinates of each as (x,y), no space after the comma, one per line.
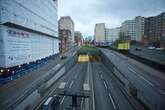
(148,62)
(140,93)
(151,63)
(39,87)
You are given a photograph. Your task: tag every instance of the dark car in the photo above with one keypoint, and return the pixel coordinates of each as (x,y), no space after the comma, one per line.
(138,49)
(63,57)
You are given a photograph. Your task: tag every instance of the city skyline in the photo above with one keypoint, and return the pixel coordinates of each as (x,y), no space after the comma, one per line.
(97,11)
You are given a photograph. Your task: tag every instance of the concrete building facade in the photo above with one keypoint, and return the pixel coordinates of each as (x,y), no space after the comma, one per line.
(28,31)
(139,28)
(154,30)
(128,29)
(78,38)
(64,36)
(66,22)
(112,34)
(100,32)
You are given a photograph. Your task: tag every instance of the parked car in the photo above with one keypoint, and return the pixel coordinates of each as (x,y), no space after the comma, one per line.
(151,47)
(138,49)
(160,48)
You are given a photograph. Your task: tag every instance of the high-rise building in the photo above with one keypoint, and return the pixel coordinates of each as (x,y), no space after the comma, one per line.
(128,30)
(78,38)
(64,36)
(154,29)
(67,23)
(112,34)
(139,28)
(99,33)
(28,31)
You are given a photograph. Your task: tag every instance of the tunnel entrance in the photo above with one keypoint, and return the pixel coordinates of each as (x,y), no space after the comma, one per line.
(88,58)
(88,54)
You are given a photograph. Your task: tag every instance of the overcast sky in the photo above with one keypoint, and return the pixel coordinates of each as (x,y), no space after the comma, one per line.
(86,13)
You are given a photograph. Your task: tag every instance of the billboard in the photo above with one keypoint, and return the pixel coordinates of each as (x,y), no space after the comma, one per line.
(123,46)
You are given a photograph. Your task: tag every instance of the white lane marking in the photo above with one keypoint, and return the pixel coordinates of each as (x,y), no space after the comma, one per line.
(145,80)
(81,103)
(93,93)
(71,84)
(62,100)
(114,106)
(141,76)
(105,85)
(131,70)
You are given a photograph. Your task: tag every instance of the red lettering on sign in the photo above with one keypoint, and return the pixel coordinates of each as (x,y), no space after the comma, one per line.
(14,33)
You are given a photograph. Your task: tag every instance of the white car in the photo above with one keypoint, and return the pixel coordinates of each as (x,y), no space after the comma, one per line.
(51,103)
(160,48)
(151,47)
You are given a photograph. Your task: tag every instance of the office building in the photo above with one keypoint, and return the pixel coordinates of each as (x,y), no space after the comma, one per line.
(154,30)
(128,30)
(64,36)
(139,28)
(99,34)
(67,23)
(78,38)
(112,34)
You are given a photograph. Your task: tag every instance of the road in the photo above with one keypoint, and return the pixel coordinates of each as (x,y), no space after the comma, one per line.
(74,85)
(107,91)
(154,55)
(108,96)
(151,88)
(12,90)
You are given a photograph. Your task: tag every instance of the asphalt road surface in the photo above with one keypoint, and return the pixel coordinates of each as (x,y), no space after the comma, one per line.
(108,96)
(154,55)
(12,90)
(106,89)
(74,85)
(151,89)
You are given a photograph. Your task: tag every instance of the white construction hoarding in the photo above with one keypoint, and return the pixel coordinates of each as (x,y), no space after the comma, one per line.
(19,47)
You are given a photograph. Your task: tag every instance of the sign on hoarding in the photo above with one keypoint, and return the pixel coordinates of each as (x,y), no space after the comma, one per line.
(17,46)
(21,47)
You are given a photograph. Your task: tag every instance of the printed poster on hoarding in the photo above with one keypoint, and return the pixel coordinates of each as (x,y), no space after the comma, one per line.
(17,47)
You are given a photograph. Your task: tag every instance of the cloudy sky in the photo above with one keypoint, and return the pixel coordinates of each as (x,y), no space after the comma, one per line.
(86,13)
